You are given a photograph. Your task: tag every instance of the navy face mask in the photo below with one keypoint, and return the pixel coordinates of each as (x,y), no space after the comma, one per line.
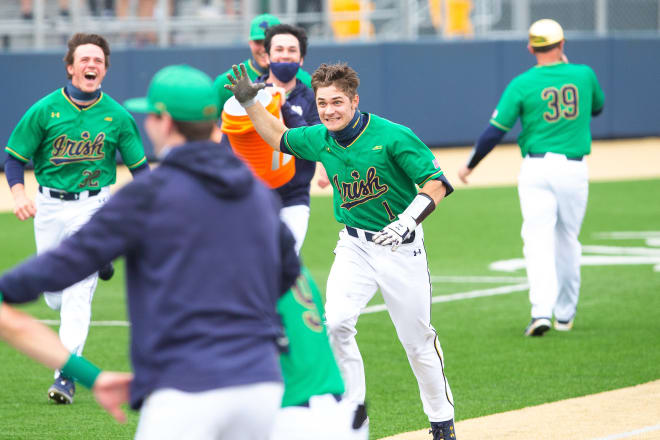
(285,72)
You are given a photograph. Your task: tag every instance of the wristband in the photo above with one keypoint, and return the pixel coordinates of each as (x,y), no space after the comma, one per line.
(421,206)
(82,370)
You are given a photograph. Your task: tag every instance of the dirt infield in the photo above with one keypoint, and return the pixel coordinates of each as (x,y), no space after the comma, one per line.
(628,413)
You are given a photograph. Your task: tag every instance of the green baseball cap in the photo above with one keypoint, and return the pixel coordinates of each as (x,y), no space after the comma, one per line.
(259,25)
(184,92)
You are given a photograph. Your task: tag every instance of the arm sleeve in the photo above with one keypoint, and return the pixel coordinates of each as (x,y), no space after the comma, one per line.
(14,171)
(27,136)
(290,261)
(139,169)
(130,144)
(485,144)
(302,142)
(115,229)
(414,157)
(508,109)
(445,181)
(598,99)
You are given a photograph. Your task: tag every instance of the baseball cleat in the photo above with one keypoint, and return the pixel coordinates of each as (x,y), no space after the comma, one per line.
(538,326)
(563,326)
(106,272)
(62,390)
(443,430)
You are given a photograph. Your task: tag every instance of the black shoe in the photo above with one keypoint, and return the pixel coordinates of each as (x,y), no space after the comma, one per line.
(106,272)
(62,390)
(538,326)
(443,430)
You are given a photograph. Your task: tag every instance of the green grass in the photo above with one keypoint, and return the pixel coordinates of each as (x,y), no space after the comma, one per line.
(490,365)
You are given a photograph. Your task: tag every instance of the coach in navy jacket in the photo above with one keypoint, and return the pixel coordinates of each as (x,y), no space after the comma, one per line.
(206,258)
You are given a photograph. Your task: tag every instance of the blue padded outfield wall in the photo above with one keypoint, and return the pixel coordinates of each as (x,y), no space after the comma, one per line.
(444,91)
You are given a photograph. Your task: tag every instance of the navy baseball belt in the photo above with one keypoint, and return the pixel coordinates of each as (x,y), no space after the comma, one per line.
(63,195)
(370,236)
(575,158)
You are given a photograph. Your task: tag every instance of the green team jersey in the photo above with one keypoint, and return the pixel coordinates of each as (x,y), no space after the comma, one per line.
(75,149)
(373,179)
(254,71)
(555,103)
(309,367)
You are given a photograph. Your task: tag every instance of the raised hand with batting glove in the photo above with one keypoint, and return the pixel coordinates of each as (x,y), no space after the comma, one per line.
(242,86)
(396,232)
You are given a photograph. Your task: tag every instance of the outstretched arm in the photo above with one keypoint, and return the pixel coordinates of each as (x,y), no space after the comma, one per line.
(268,126)
(487,141)
(42,344)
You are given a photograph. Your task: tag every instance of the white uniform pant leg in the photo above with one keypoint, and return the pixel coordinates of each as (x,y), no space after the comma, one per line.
(49,231)
(538,204)
(572,193)
(324,419)
(296,217)
(351,284)
(243,412)
(57,221)
(404,281)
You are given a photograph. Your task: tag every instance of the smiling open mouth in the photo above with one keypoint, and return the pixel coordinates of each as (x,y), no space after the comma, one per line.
(90,75)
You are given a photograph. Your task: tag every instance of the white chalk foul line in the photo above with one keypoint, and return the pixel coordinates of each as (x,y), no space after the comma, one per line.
(503,290)
(631,433)
(477,279)
(461,295)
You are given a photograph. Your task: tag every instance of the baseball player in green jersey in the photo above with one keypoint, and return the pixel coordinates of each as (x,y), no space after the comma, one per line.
(374,166)
(312,382)
(40,343)
(555,101)
(72,136)
(257,65)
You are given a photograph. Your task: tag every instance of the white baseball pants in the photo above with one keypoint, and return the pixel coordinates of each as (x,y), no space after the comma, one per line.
(553,198)
(296,218)
(244,412)
(56,220)
(362,267)
(325,419)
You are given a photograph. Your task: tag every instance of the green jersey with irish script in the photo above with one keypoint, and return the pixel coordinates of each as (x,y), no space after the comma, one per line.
(74,149)
(374,177)
(554,103)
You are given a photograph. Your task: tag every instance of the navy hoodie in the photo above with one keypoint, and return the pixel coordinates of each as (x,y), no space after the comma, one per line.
(206,260)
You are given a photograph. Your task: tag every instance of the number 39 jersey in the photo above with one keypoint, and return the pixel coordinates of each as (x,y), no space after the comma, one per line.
(374,177)
(554,103)
(74,149)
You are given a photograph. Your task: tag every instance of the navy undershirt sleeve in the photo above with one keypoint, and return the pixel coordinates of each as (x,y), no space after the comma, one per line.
(137,170)
(487,141)
(448,186)
(597,112)
(14,171)
(283,147)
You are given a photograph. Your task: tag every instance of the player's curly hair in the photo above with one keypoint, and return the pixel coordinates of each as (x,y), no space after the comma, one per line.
(297,32)
(339,75)
(78,40)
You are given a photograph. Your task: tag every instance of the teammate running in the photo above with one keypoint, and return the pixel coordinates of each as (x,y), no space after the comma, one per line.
(72,136)
(555,101)
(374,166)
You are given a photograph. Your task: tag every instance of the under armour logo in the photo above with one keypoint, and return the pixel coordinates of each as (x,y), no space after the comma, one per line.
(54,114)
(417,252)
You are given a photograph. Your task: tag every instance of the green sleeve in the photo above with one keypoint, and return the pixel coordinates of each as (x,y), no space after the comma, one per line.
(0,297)
(130,143)
(223,93)
(28,135)
(304,77)
(301,141)
(508,109)
(415,158)
(598,98)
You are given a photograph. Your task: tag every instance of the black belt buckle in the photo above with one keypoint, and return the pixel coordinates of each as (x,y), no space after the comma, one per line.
(370,236)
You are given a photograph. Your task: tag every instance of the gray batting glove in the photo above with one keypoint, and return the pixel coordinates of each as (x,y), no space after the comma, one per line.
(242,87)
(396,232)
